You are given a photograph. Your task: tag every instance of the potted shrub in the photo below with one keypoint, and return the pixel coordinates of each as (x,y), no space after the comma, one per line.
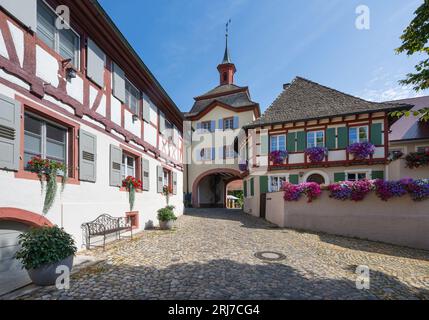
(43,250)
(166,217)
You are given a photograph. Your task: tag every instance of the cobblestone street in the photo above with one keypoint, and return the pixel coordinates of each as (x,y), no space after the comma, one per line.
(211,255)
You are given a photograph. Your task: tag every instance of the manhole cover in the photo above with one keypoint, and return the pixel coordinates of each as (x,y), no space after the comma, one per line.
(270,256)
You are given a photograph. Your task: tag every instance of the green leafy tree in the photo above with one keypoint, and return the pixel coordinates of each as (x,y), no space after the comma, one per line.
(415,40)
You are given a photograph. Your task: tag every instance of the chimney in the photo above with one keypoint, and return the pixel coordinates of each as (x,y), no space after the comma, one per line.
(286,85)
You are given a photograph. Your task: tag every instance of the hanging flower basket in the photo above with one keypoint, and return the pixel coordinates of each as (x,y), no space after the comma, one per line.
(361,150)
(316,154)
(48,170)
(131,184)
(417,159)
(243,166)
(278,156)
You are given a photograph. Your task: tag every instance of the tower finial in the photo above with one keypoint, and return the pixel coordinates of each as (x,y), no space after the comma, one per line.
(226,57)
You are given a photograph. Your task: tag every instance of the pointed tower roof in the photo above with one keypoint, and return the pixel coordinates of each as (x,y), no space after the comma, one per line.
(226,56)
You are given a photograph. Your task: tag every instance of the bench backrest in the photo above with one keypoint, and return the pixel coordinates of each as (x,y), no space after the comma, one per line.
(103,223)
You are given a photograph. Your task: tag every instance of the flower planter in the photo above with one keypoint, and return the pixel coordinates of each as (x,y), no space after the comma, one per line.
(46,275)
(166,225)
(133,216)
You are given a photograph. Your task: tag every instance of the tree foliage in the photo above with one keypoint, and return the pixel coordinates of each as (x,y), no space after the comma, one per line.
(415,40)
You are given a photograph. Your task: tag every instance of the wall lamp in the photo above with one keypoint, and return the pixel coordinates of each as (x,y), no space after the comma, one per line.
(135,118)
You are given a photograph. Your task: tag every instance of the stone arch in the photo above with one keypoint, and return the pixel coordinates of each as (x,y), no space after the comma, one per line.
(195,203)
(25,217)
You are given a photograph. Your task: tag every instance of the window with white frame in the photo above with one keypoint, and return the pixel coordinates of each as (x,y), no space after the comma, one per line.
(206,126)
(228,123)
(358,134)
(228,152)
(166,178)
(206,154)
(44,139)
(278,142)
(128,166)
(356,176)
(64,41)
(276,183)
(422,149)
(315,139)
(132,97)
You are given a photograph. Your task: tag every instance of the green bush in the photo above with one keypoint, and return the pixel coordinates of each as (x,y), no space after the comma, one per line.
(45,245)
(166,214)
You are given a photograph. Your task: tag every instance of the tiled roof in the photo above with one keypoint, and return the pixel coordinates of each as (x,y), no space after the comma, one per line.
(229,94)
(304,100)
(410,128)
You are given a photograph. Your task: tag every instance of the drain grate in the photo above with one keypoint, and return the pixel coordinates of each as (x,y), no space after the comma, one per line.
(270,256)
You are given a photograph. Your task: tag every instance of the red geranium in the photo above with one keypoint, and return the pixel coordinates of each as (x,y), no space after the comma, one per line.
(131,182)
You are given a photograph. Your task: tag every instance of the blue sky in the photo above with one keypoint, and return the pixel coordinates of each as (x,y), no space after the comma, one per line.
(271,42)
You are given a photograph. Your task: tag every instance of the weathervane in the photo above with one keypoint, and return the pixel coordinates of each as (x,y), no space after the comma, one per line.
(227,26)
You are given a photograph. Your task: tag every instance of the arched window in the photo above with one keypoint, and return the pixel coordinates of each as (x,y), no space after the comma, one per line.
(319,179)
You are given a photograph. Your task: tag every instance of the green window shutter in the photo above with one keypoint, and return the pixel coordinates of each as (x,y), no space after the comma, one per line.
(330,138)
(377,175)
(245,188)
(87,156)
(252,187)
(339,176)
(263,184)
(290,142)
(376,134)
(343,138)
(294,178)
(264,144)
(301,141)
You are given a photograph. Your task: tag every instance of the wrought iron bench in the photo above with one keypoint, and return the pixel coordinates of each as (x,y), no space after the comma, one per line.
(105,225)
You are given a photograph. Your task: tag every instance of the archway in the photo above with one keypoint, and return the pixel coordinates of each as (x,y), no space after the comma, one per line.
(234,193)
(208,189)
(14,222)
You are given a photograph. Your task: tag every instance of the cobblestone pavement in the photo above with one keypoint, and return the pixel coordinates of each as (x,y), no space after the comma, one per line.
(211,255)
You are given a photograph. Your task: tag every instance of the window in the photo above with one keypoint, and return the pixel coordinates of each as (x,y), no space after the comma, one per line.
(278,142)
(355,176)
(44,139)
(63,41)
(228,152)
(358,134)
(206,154)
(315,139)
(132,97)
(206,126)
(128,166)
(276,183)
(166,179)
(422,149)
(228,123)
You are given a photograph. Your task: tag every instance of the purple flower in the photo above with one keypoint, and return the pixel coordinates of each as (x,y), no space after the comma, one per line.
(316,154)
(278,156)
(293,192)
(361,150)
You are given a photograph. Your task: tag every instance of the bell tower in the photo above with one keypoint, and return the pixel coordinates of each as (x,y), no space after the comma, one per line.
(226,68)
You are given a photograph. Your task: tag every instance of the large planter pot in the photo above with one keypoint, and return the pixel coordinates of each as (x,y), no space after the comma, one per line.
(46,275)
(166,225)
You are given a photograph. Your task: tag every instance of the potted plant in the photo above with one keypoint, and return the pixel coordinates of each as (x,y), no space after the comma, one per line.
(417,159)
(166,217)
(361,150)
(278,156)
(316,154)
(166,191)
(43,250)
(131,184)
(48,170)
